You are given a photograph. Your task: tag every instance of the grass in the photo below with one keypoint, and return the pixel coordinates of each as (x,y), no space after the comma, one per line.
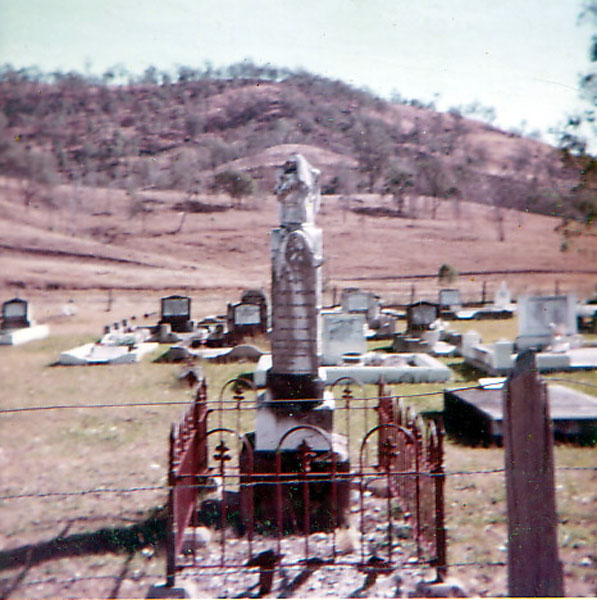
(82,449)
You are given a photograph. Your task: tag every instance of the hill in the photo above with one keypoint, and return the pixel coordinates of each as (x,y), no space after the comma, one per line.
(176,135)
(112,188)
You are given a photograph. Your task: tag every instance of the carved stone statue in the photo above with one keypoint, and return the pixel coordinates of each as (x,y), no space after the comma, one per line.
(298,192)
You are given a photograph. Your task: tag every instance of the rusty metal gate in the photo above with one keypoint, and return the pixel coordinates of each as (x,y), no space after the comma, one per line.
(395,485)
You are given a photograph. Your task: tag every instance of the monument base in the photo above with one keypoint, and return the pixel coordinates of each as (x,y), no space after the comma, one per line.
(290,499)
(305,388)
(13,337)
(275,419)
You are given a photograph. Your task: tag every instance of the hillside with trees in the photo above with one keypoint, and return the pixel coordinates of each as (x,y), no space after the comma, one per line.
(158,132)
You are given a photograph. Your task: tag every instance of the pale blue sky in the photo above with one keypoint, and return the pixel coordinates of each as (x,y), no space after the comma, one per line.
(522,57)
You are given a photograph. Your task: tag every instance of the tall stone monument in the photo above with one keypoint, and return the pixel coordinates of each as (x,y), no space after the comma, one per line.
(297,255)
(294,416)
(294,394)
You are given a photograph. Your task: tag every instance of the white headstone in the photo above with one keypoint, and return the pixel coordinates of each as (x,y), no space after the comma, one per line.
(247,314)
(538,315)
(342,333)
(503,297)
(450,298)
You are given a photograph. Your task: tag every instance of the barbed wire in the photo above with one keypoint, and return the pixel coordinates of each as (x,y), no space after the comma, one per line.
(268,479)
(221,402)
(104,405)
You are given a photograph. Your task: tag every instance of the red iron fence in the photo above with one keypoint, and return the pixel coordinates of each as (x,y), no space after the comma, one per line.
(376,510)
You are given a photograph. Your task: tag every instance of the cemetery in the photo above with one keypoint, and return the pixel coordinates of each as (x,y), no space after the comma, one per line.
(17,325)
(310,471)
(219,338)
(297,468)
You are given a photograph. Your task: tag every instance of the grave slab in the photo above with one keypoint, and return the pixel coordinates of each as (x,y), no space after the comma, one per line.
(24,335)
(476,415)
(101,354)
(400,368)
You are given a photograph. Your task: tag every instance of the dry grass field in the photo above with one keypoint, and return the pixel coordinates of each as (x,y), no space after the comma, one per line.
(107,265)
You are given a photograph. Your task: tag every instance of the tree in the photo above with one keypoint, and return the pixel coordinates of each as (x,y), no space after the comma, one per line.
(373,148)
(432,180)
(236,184)
(447,274)
(397,183)
(571,137)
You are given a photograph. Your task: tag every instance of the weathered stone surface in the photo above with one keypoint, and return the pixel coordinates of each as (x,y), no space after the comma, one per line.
(296,274)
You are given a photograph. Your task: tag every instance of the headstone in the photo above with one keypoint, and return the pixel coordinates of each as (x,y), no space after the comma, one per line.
(15,314)
(244,319)
(245,313)
(503,297)
(421,315)
(354,300)
(503,351)
(247,317)
(469,340)
(297,256)
(450,299)
(294,421)
(342,334)
(176,311)
(540,317)
(254,297)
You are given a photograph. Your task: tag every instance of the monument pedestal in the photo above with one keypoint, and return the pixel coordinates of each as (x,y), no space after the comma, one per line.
(276,419)
(307,490)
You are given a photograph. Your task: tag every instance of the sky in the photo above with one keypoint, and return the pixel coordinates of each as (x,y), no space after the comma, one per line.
(521,57)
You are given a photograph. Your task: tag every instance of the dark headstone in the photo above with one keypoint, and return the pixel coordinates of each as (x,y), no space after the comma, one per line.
(15,314)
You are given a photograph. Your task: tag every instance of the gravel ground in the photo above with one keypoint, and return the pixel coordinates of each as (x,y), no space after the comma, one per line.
(308,567)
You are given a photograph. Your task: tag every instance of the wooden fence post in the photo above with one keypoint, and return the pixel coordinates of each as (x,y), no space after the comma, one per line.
(534,568)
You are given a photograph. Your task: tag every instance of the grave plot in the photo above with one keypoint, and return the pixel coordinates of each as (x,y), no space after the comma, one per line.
(240,528)
(476,415)
(218,338)
(451,305)
(116,347)
(424,331)
(17,325)
(288,472)
(546,324)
